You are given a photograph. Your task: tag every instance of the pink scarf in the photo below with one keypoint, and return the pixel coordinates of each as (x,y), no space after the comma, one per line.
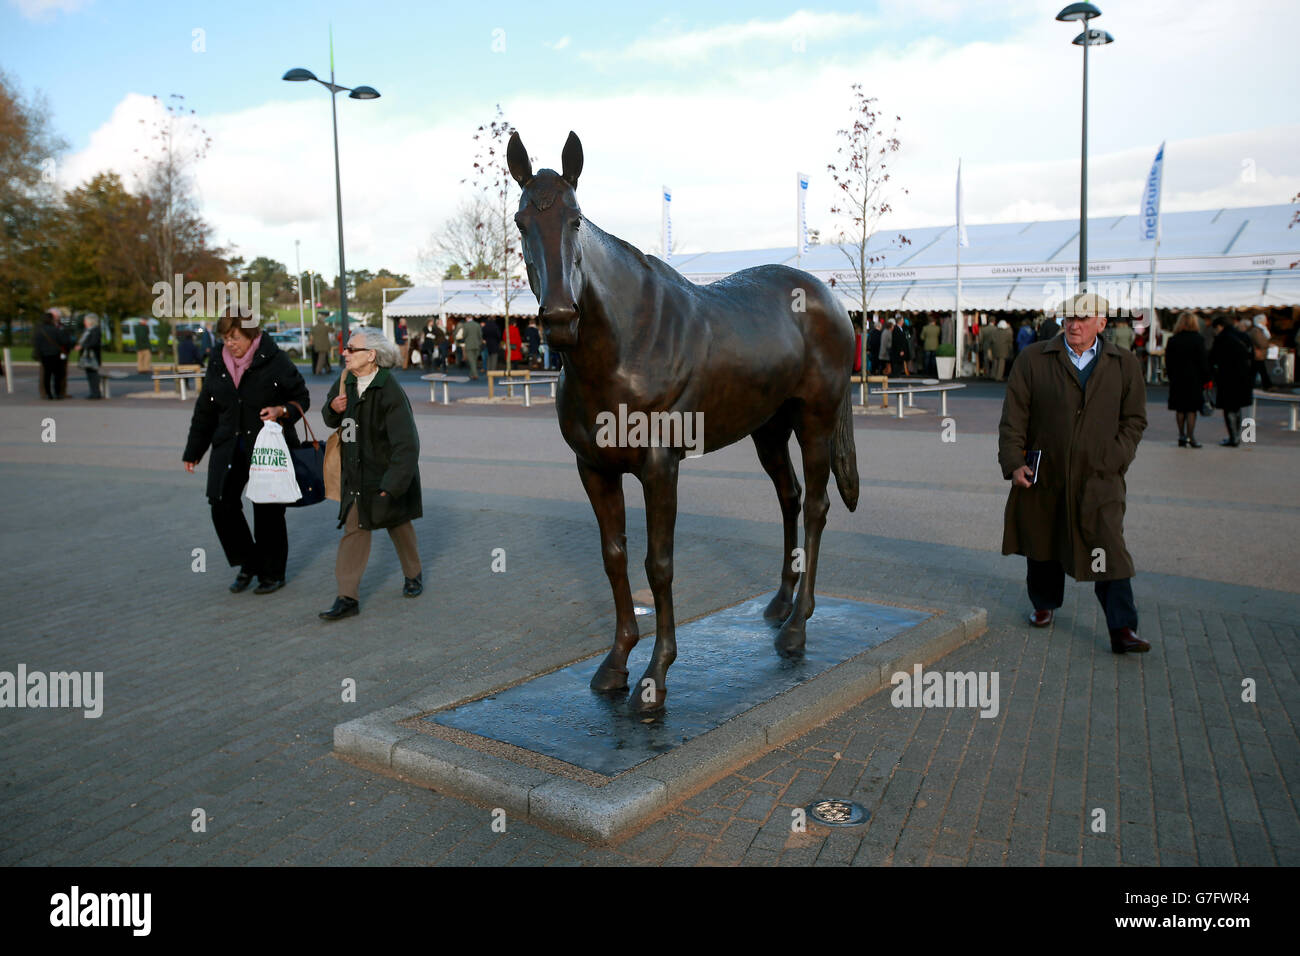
(238,366)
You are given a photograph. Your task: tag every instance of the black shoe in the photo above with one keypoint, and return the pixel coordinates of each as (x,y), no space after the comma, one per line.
(242,581)
(1182,441)
(343,607)
(265,586)
(1228,443)
(414,586)
(1125,640)
(1193,443)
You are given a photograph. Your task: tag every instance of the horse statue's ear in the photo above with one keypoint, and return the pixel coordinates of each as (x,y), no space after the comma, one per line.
(521,167)
(571,159)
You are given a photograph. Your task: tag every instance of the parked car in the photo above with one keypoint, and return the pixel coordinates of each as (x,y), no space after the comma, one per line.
(294,341)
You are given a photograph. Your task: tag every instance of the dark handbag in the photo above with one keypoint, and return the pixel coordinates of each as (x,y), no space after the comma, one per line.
(308,465)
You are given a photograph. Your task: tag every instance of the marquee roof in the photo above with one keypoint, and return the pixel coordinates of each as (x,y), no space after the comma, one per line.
(1224,258)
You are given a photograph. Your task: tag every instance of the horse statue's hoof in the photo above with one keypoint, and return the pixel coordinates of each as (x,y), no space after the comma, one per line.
(790,640)
(608,679)
(647,696)
(777,611)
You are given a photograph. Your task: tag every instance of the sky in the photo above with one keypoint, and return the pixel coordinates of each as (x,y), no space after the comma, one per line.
(723,102)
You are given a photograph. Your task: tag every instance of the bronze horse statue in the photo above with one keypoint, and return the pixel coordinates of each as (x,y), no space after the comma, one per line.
(764,352)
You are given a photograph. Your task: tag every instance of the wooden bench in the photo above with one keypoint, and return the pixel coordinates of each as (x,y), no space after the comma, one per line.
(194,372)
(502,373)
(864,386)
(107,378)
(442,378)
(1292,400)
(167,371)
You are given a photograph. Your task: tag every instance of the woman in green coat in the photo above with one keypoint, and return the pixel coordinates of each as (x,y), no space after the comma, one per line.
(379,456)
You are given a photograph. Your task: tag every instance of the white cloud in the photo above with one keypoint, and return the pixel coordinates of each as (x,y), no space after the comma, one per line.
(45,9)
(559,44)
(794,31)
(730,146)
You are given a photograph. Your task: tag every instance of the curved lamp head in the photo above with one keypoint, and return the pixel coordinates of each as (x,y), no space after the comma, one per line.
(298,75)
(1079,11)
(1095,38)
(364,93)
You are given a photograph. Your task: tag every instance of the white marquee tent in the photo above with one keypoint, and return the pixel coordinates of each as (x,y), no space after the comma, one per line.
(1225,258)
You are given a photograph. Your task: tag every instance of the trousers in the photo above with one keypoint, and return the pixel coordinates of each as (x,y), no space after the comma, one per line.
(354,553)
(263,551)
(51,367)
(1046,584)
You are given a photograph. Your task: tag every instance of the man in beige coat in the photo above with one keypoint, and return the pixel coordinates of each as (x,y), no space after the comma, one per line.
(1079,403)
(1003,348)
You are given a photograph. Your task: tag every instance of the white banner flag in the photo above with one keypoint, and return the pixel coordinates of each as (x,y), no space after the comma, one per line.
(962,239)
(1149,215)
(666,229)
(803,213)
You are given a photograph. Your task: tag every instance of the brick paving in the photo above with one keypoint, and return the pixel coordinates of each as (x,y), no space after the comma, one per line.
(228,703)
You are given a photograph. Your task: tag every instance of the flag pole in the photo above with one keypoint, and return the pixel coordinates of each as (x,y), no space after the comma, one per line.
(959,327)
(1149,218)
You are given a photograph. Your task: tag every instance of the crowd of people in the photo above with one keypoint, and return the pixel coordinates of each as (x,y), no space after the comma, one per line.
(475,343)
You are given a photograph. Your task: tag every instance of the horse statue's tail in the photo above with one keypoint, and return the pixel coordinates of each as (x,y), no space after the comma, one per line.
(844,454)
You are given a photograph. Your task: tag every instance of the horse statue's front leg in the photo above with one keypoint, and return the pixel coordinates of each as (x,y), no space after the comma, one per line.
(606,494)
(659,482)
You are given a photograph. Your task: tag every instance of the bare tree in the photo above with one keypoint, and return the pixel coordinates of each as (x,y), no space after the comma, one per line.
(177,231)
(465,240)
(656,248)
(492,179)
(865,193)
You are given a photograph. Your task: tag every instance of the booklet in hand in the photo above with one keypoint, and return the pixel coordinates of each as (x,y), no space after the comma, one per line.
(1034,460)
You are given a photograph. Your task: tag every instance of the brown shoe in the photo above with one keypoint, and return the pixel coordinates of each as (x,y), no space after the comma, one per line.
(1040,618)
(1125,640)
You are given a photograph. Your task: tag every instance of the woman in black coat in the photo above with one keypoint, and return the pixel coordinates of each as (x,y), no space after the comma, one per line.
(249,381)
(92,357)
(1231,359)
(379,464)
(1188,366)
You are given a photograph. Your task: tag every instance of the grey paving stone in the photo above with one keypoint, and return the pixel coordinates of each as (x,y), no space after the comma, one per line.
(249,720)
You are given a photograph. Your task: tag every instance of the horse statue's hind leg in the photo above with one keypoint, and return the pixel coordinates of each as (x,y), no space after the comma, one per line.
(815,434)
(772,441)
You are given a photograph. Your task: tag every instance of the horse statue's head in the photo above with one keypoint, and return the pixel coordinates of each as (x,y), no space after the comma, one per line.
(548,221)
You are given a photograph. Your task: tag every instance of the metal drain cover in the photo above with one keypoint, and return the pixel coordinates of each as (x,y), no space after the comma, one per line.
(837,813)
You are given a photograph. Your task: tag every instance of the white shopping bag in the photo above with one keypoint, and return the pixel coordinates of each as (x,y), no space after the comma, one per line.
(271,478)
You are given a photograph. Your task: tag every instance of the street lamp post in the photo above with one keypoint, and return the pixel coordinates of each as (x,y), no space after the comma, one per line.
(297,261)
(298,75)
(1084,12)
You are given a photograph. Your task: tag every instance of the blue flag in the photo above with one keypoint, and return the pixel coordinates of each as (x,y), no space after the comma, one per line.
(1149,214)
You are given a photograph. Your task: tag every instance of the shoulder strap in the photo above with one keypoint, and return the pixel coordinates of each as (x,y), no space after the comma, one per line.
(311,435)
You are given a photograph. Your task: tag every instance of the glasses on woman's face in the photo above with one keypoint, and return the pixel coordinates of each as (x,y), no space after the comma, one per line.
(353,348)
